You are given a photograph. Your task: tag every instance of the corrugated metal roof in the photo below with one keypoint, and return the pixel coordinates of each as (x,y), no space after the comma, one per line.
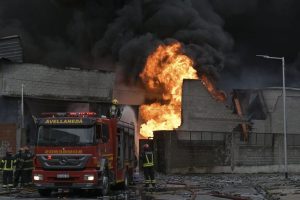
(11,48)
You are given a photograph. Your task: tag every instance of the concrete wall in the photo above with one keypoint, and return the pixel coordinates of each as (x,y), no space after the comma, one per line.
(200,111)
(211,153)
(50,83)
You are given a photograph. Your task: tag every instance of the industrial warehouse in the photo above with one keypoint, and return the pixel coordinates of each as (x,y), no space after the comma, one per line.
(210,139)
(149,100)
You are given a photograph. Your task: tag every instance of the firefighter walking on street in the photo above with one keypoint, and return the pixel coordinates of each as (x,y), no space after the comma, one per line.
(148,166)
(7,165)
(27,166)
(19,157)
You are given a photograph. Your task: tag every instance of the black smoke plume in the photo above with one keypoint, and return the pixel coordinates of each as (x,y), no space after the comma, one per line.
(141,25)
(107,34)
(120,34)
(260,27)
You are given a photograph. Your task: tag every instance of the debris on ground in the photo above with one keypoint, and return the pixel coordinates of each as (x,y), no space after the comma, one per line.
(191,187)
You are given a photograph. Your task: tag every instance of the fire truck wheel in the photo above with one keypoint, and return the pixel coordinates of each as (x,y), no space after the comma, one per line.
(44,192)
(125,184)
(105,185)
(126,181)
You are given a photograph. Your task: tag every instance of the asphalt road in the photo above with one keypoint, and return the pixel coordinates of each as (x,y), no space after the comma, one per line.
(192,187)
(29,193)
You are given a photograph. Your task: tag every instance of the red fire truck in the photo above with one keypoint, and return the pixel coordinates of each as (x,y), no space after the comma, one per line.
(78,150)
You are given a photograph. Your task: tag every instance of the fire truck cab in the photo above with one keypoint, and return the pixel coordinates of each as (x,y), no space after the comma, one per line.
(78,150)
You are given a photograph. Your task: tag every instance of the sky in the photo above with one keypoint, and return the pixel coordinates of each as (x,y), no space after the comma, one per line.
(222,37)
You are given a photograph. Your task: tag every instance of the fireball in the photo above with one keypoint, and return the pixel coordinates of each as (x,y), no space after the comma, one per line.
(163,74)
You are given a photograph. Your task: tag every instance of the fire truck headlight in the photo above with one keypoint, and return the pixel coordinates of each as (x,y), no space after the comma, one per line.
(38,177)
(88,177)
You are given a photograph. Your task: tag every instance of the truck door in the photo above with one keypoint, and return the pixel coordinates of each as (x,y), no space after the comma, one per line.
(120,154)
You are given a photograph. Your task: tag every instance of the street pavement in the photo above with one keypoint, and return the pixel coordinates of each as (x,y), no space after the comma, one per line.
(191,187)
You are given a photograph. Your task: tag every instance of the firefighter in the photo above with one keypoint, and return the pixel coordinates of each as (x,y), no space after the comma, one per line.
(115,111)
(19,157)
(27,166)
(148,166)
(7,165)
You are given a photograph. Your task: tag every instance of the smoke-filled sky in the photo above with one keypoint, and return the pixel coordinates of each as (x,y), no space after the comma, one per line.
(222,37)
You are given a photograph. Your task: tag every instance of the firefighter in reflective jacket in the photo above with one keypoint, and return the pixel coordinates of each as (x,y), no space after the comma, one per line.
(19,174)
(7,165)
(27,166)
(148,166)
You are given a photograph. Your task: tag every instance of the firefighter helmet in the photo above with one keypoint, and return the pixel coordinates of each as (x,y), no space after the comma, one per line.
(115,101)
(26,148)
(146,146)
(9,152)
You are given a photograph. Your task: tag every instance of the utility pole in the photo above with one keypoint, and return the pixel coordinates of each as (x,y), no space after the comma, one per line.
(22,133)
(22,107)
(284,108)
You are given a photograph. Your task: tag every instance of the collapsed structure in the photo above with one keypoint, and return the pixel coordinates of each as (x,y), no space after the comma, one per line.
(215,139)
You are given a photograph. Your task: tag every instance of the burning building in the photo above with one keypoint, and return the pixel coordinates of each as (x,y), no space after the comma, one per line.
(203,141)
(211,137)
(196,130)
(163,75)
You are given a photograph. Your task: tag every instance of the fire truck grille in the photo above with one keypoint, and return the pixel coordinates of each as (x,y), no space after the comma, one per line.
(63,161)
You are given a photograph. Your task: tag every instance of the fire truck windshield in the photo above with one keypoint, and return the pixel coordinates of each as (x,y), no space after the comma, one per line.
(66,136)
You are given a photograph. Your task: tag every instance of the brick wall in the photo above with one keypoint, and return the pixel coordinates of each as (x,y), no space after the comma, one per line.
(7,138)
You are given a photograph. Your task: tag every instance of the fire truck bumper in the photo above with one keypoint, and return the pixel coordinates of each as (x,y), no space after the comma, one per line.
(67,186)
(87,179)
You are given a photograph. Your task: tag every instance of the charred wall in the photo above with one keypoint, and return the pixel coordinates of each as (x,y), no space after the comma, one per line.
(207,152)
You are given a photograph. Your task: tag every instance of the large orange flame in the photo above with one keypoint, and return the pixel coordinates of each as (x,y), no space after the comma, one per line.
(163,74)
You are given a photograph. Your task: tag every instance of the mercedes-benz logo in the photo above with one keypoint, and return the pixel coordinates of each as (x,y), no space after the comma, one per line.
(63,161)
